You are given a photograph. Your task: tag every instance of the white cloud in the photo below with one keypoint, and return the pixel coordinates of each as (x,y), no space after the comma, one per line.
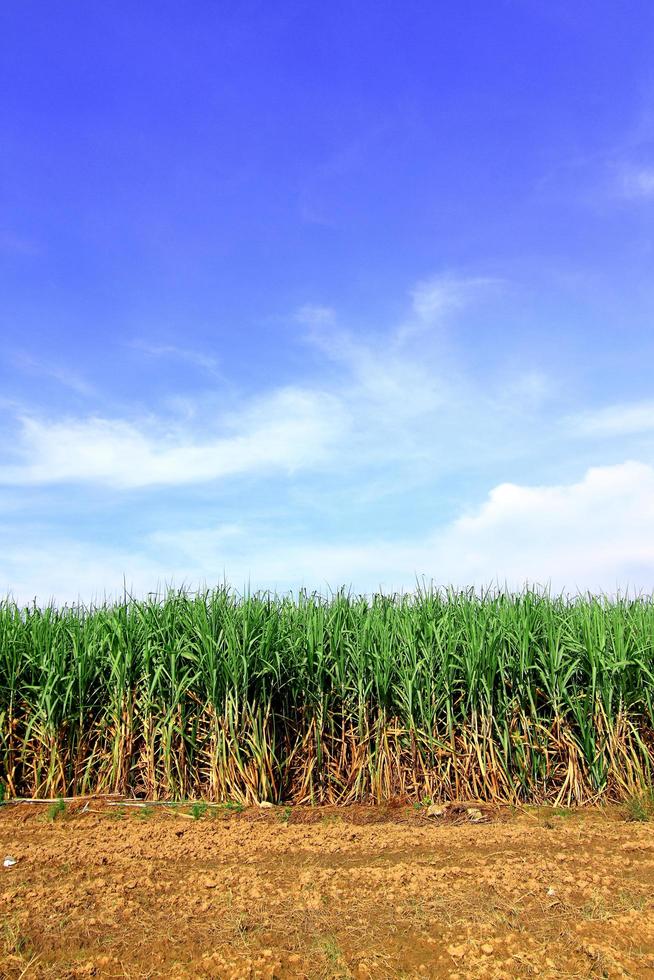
(289,430)
(393,413)
(594,534)
(597,533)
(614,420)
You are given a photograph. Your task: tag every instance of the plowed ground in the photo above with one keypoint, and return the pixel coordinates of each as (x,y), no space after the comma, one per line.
(360,892)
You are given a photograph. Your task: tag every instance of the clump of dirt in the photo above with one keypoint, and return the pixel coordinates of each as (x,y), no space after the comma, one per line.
(459,813)
(101,890)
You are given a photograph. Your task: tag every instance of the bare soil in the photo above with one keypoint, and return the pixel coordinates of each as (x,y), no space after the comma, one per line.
(349,892)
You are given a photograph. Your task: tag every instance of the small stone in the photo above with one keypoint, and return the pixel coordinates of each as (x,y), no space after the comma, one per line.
(458,952)
(265,805)
(487,949)
(436,810)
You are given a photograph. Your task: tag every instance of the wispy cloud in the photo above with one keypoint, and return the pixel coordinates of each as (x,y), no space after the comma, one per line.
(63,375)
(412,401)
(287,431)
(198,358)
(441,295)
(388,399)
(401,405)
(614,420)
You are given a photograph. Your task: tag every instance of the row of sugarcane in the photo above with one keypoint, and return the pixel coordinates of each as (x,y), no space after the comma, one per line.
(435,695)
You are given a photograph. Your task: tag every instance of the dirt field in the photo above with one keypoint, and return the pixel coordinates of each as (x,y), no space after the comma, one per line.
(360,892)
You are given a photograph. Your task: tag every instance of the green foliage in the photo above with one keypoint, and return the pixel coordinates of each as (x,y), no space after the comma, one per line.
(55,811)
(198,810)
(640,807)
(231,806)
(436,695)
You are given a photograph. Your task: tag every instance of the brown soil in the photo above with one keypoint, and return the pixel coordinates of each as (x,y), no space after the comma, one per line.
(360,892)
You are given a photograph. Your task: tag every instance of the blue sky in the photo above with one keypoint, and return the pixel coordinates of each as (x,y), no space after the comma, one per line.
(341,294)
